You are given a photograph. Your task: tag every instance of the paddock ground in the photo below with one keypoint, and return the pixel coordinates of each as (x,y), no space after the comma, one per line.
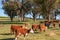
(5,34)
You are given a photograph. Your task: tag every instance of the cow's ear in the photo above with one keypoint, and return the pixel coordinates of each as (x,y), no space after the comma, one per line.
(21,26)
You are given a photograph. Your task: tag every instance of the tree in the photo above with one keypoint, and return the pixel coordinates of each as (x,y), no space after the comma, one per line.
(46,6)
(36,8)
(26,6)
(35,12)
(9,9)
(12,8)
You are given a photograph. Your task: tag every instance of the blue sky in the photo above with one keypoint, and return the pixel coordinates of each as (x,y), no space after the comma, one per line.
(1,10)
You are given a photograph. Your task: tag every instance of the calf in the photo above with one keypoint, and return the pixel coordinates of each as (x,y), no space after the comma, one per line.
(42,27)
(14,28)
(59,23)
(54,25)
(34,27)
(21,31)
(47,23)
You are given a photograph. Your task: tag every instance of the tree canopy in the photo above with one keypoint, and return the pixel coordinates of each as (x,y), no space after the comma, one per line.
(37,7)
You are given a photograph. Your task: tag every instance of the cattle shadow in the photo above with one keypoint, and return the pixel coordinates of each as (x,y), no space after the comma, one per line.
(5,34)
(36,32)
(54,28)
(8,39)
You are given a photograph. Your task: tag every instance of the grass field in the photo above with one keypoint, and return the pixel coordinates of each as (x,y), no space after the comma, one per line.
(5,34)
(5,25)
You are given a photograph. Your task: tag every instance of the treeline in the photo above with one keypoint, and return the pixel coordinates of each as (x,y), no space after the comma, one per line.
(37,7)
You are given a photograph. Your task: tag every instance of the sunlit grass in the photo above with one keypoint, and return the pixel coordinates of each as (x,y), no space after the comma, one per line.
(5,34)
(5,25)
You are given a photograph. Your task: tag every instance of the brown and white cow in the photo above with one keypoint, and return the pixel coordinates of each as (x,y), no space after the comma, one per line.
(34,26)
(14,28)
(42,27)
(21,31)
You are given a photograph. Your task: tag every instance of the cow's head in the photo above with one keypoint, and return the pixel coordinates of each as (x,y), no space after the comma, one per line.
(30,31)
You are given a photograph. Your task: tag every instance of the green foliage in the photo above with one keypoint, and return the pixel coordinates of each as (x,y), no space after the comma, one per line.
(9,9)
(42,7)
(26,6)
(45,6)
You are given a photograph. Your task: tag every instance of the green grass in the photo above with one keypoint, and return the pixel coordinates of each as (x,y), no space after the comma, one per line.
(9,22)
(5,25)
(5,34)
(6,20)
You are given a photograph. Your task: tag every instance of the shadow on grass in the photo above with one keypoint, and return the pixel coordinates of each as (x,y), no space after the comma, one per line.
(55,29)
(8,39)
(36,32)
(9,22)
(5,34)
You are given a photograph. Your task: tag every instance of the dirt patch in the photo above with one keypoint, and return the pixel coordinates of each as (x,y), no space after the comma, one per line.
(51,34)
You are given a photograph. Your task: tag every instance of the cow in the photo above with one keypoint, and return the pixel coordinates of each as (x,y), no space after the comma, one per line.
(54,25)
(14,28)
(21,31)
(47,24)
(59,23)
(42,27)
(34,27)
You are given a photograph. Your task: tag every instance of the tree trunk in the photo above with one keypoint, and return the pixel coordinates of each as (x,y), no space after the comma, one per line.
(18,15)
(11,16)
(34,17)
(11,19)
(55,16)
(49,17)
(39,16)
(22,15)
(19,18)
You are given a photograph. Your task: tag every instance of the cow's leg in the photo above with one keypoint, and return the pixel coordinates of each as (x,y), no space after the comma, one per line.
(12,31)
(25,35)
(24,38)
(40,30)
(59,25)
(44,30)
(16,37)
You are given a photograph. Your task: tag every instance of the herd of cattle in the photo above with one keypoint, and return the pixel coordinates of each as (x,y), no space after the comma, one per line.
(24,30)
